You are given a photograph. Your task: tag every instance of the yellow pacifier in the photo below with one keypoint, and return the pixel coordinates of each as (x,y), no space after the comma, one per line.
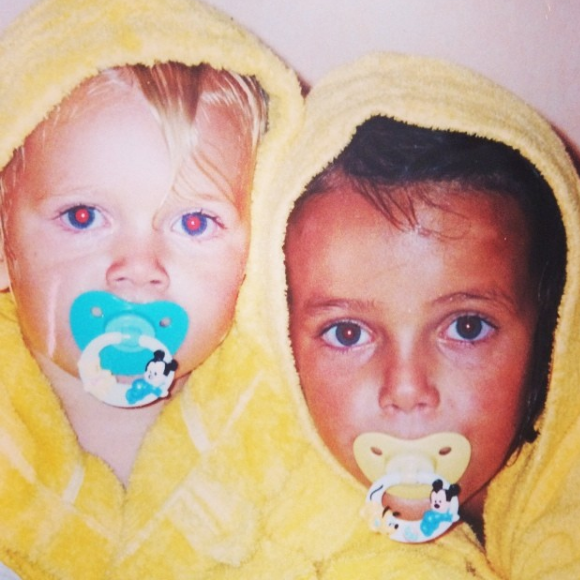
(413,469)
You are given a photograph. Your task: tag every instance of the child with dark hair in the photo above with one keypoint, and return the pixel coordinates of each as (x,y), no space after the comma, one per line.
(428,224)
(421,266)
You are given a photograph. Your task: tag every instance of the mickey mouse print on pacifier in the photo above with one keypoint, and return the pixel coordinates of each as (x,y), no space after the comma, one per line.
(118,338)
(412,469)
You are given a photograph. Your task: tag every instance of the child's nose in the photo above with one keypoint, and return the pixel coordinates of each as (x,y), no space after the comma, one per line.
(137,267)
(407,383)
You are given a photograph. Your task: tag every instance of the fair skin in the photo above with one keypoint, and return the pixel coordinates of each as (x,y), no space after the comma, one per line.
(414,331)
(99,207)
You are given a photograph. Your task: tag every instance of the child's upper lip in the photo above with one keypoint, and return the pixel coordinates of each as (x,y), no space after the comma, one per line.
(413,427)
(141,295)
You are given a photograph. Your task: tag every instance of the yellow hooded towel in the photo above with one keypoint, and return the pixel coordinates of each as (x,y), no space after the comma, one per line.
(532,505)
(194,496)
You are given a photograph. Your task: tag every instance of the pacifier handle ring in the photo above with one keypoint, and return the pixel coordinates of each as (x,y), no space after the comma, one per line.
(151,343)
(431,526)
(100,342)
(102,384)
(392,479)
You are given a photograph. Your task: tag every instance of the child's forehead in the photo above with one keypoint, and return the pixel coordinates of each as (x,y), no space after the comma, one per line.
(404,204)
(83,110)
(335,229)
(103,119)
(206,132)
(95,93)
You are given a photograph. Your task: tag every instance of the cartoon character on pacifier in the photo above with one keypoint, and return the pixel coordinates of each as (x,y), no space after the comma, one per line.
(412,469)
(443,508)
(156,380)
(121,340)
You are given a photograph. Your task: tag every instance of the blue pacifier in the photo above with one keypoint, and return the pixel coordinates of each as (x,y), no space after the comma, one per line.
(121,338)
(412,469)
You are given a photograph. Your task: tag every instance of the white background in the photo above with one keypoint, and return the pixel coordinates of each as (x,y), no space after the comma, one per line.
(530,46)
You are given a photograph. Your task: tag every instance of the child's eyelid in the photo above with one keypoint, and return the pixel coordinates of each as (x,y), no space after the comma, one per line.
(213,216)
(222,212)
(74,205)
(202,211)
(450,318)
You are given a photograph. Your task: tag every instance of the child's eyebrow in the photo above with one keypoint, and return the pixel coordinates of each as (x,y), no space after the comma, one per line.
(197,196)
(487,296)
(321,304)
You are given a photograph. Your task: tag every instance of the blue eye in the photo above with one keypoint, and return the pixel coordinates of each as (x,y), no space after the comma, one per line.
(194,223)
(346,335)
(80,217)
(197,223)
(470,328)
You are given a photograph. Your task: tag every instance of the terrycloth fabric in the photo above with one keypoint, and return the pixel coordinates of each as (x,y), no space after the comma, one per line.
(193,501)
(533,504)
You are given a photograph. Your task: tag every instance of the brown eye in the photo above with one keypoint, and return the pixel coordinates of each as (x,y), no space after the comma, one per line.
(346,334)
(470,328)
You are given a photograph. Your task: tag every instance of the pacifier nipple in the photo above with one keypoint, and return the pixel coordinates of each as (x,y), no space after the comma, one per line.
(131,326)
(409,466)
(124,339)
(412,469)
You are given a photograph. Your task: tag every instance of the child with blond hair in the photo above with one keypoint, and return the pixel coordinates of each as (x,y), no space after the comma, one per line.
(135,139)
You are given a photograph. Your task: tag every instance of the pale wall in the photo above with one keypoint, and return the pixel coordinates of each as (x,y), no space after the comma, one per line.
(529,46)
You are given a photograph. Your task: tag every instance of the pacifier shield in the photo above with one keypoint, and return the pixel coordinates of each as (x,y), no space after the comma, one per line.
(446,454)
(96,313)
